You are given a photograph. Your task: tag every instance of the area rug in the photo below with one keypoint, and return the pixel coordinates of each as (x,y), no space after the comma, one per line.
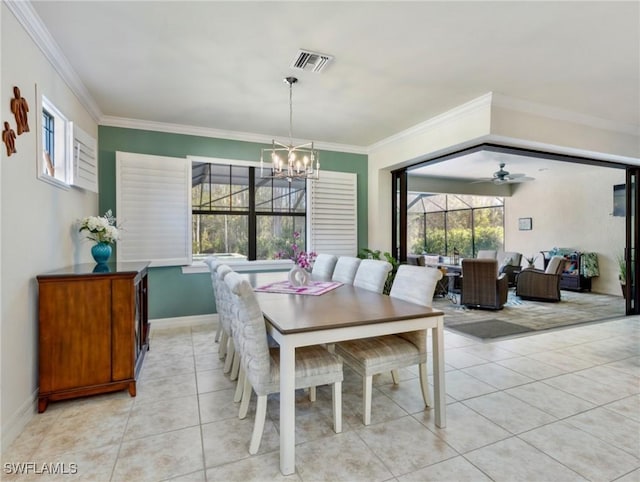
(316,288)
(490,328)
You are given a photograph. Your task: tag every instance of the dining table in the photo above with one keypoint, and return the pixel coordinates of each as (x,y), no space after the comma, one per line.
(343,313)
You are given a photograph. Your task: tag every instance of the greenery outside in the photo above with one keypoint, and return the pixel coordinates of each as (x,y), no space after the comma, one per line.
(442,223)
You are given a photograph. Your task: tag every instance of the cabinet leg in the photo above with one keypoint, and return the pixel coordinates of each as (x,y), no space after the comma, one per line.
(42,404)
(132,389)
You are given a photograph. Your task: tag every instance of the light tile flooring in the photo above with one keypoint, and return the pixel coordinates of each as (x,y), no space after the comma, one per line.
(561,405)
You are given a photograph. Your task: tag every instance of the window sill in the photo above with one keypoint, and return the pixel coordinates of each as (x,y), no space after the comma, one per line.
(54,181)
(242,266)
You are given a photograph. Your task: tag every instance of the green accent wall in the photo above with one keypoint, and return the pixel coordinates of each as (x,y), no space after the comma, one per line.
(171,293)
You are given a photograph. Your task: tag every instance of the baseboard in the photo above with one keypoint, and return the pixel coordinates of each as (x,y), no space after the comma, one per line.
(18,421)
(161,323)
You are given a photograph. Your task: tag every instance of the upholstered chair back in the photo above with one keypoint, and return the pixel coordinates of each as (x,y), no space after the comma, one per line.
(250,335)
(212,262)
(487,254)
(555,266)
(323,266)
(415,259)
(482,286)
(415,284)
(372,274)
(510,258)
(223,301)
(345,270)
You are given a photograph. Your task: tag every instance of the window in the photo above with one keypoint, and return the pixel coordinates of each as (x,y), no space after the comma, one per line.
(442,223)
(179,210)
(241,216)
(54,164)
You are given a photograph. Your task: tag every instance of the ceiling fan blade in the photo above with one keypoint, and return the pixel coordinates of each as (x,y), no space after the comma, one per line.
(484,179)
(513,176)
(520,179)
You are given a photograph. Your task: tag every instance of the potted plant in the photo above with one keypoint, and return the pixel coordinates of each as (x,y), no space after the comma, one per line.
(531,261)
(622,274)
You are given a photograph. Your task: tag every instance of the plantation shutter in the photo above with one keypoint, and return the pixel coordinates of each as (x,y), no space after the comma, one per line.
(84,173)
(153,207)
(332,217)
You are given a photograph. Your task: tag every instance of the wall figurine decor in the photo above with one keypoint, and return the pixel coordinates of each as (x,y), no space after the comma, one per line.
(9,138)
(20,108)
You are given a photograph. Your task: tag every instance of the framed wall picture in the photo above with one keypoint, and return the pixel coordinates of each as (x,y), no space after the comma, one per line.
(619,200)
(524,224)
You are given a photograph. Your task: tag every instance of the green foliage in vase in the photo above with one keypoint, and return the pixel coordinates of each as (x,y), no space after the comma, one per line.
(366,253)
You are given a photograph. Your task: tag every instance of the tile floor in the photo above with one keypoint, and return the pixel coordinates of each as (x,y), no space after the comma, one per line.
(561,405)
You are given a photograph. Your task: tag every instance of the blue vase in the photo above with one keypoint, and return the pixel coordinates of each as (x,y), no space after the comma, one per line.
(101,252)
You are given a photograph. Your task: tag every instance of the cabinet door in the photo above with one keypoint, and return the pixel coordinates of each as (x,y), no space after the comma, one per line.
(124,328)
(75,334)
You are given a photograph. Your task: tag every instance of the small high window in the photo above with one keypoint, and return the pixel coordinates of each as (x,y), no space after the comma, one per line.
(54,164)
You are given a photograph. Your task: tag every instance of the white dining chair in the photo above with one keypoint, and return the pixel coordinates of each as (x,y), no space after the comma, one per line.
(372,274)
(314,364)
(370,356)
(225,317)
(345,270)
(323,266)
(212,262)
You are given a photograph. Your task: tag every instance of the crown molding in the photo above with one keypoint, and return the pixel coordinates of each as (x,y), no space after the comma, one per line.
(563,150)
(127,123)
(482,102)
(557,113)
(31,22)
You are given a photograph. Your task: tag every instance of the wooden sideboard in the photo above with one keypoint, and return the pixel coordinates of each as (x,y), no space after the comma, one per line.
(93,330)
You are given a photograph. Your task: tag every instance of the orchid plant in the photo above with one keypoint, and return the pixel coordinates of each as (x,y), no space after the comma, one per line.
(101,229)
(297,255)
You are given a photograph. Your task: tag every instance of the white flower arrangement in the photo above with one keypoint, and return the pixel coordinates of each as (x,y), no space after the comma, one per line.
(101,229)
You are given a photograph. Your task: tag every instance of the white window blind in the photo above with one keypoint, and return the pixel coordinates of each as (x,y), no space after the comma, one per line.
(153,206)
(332,216)
(84,160)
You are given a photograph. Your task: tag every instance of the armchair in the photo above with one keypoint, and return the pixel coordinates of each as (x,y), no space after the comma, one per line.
(482,286)
(510,265)
(541,285)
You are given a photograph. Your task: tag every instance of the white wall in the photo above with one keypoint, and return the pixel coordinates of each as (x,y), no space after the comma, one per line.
(37,223)
(571,207)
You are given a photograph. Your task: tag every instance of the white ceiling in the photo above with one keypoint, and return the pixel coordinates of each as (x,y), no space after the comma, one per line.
(220,65)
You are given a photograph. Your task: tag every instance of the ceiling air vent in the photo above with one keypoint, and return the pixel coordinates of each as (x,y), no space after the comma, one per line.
(310,61)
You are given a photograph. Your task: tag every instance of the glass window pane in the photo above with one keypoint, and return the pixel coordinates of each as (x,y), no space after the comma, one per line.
(489,228)
(264,195)
(416,235)
(281,196)
(239,188)
(275,234)
(435,203)
(435,233)
(459,233)
(220,234)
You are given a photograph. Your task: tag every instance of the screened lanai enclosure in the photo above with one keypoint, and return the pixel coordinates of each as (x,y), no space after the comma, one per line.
(447,223)
(238,214)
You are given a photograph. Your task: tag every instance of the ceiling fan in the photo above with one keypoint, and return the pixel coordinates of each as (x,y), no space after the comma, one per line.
(505,177)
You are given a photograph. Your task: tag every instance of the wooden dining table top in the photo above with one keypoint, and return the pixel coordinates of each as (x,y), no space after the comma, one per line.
(341,307)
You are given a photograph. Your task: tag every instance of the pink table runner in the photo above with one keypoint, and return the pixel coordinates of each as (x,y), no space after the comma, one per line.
(315,288)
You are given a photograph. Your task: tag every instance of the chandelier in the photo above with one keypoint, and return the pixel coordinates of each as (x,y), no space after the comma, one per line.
(288,161)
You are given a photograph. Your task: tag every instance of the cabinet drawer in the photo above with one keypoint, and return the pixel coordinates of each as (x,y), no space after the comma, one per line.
(569,281)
